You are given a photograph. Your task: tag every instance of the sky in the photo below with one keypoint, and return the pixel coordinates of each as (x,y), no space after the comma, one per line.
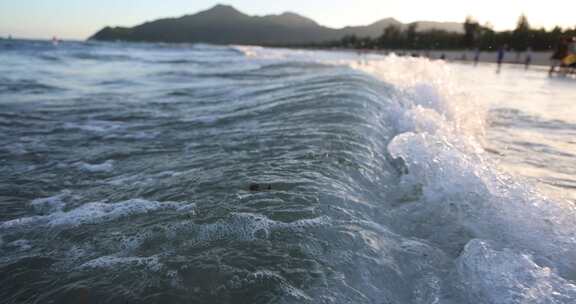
(79,19)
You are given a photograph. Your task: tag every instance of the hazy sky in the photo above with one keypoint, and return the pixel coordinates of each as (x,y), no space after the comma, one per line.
(78,19)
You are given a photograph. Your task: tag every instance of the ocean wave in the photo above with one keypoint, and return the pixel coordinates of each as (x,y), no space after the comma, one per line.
(100,56)
(459,195)
(315,176)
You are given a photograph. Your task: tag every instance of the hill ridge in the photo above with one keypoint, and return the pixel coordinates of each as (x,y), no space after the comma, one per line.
(224,24)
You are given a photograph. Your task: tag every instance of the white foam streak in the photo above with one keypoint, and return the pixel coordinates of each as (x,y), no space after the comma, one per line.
(94,213)
(105,262)
(248,226)
(107,166)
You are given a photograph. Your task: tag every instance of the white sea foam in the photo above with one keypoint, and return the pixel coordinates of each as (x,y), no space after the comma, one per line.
(106,262)
(94,213)
(443,154)
(248,226)
(142,180)
(461,189)
(268,277)
(507,277)
(461,195)
(107,166)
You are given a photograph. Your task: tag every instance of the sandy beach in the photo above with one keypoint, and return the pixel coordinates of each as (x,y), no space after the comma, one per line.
(538,58)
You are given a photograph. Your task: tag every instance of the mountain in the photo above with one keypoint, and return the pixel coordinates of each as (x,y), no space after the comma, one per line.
(456,27)
(224,24)
(373,30)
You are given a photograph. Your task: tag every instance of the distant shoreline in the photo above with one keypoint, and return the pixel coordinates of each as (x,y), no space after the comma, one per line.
(539,58)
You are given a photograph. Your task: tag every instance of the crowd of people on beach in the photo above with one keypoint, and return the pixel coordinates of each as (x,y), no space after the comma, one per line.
(563,60)
(564,57)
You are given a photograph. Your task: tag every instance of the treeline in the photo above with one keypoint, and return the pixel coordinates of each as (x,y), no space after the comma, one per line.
(474,36)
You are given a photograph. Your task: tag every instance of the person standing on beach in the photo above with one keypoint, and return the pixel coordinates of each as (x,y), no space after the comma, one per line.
(528,58)
(559,54)
(476,56)
(500,59)
(570,60)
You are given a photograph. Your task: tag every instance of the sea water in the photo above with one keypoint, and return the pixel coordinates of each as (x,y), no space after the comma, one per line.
(158,173)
